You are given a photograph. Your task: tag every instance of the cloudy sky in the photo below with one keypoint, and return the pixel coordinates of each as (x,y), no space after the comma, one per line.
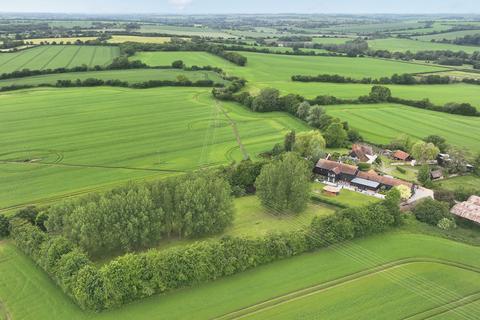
(244,6)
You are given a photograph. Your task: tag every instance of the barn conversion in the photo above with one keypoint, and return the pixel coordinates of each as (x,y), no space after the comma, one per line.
(335,171)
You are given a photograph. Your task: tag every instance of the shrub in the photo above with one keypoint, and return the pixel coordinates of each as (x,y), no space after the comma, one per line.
(401,170)
(446,224)
(4,226)
(431,211)
(363,166)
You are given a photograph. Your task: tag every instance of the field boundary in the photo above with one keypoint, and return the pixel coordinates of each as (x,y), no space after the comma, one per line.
(305,292)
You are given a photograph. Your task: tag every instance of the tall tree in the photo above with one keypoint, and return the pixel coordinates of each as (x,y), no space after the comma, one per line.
(335,135)
(289,142)
(424,151)
(284,185)
(310,145)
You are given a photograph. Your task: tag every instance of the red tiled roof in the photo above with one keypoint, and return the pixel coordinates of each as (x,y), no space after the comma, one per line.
(469,209)
(402,155)
(336,167)
(361,151)
(373,176)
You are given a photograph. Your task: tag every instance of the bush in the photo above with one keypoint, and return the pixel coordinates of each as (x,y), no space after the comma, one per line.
(401,170)
(431,211)
(446,224)
(363,166)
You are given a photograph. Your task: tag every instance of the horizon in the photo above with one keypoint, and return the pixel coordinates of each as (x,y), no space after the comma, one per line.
(216,7)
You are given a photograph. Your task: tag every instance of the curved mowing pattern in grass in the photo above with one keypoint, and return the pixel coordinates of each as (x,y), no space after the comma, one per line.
(109,135)
(380,123)
(131,76)
(57,56)
(23,281)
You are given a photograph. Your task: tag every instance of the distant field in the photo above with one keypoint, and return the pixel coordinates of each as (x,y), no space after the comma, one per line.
(381,123)
(366,270)
(69,141)
(185,31)
(448,35)
(57,56)
(331,40)
(272,69)
(122,39)
(59,40)
(376,27)
(402,45)
(131,76)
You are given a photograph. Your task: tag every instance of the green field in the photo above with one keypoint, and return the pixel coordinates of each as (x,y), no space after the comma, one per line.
(122,39)
(331,40)
(346,197)
(131,76)
(57,56)
(59,40)
(402,45)
(469,181)
(385,276)
(382,122)
(448,35)
(272,68)
(68,141)
(185,31)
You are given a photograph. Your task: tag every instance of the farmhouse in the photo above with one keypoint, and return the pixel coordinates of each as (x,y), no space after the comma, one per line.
(363,153)
(340,172)
(401,155)
(469,210)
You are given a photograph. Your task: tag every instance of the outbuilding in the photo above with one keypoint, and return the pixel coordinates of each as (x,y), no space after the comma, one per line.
(365,184)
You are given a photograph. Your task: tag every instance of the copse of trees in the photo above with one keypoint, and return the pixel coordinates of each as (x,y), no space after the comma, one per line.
(138,216)
(431,211)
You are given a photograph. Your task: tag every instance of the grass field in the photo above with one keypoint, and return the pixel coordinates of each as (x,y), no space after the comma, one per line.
(68,141)
(388,276)
(122,39)
(57,56)
(58,40)
(331,40)
(402,45)
(185,31)
(470,181)
(380,123)
(448,35)
(272,69)
(131,76)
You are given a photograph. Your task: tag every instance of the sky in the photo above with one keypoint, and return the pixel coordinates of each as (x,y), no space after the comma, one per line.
(243,6)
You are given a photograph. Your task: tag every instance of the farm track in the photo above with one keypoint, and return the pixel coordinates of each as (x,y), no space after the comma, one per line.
(235,131)
(305,292)
(427,314)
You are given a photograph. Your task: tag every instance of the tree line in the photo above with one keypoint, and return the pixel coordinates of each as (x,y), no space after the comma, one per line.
(405,79)
(136,276)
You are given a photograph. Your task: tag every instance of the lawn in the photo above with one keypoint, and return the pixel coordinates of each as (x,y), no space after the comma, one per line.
(381,122)
(69,141)
(470,181)
(401,290)
(346,197)
(402,45)
(131,76)
(123,38)
(57,56)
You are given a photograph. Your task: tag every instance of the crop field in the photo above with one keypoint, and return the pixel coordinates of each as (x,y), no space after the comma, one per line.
(58,40)
(57,56)
(185,31)
(448,35)
(402,45)
(122,39)
(407,275)
(131,76)
(272,68)
(90,138)
(382,122)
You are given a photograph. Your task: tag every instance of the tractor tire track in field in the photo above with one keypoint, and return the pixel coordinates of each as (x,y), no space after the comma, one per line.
(235,131)
(53,57)
(92,57)
(309,291)
(73,57)
(33,58)
(13,58)
(427,314)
